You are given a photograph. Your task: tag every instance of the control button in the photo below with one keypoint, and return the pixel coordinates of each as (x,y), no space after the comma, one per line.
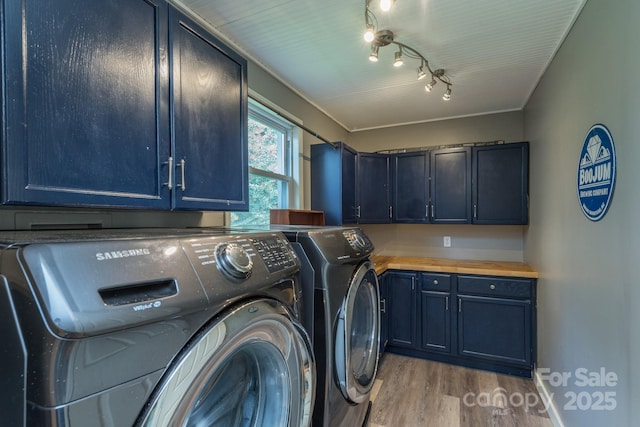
(234,260)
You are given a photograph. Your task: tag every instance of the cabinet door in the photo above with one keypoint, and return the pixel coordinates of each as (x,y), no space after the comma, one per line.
(86,107)
(436,321)
(373,188)
(348,175)
(497,329)
(451,186)
(501,184)
(209,99)
(411,187)
(401,300)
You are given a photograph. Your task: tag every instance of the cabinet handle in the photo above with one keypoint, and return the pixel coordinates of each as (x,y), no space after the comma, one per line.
(383,305)
(446,302)
(459,305)
(358,211)
(183,184)
(432,210)
(435,282)
(413,283)
(492,286)
(390,211)
(169,162)
(426,210)
(475,211)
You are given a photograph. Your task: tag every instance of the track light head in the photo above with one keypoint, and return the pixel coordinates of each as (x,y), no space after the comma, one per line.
(447,94)
(430,85)
(373,56)
(397,62)
(421,73)
(369,34)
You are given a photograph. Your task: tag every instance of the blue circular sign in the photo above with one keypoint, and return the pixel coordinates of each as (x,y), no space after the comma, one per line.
(596,172)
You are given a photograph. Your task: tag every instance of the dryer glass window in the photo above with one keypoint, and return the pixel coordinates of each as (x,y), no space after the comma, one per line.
(364,339)
(249,388)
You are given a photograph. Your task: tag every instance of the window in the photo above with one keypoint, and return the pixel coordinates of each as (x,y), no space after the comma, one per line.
(271,169)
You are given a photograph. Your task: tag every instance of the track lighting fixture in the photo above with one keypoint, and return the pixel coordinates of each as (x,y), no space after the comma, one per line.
(381,38)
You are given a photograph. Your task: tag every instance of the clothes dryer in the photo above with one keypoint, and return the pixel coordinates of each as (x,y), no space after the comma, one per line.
(341,299)
(152,328)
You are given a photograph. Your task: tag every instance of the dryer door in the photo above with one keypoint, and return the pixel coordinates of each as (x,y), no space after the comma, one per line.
(252,366)
(358,335)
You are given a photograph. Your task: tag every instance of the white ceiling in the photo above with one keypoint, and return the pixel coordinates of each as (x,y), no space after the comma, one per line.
(495,52)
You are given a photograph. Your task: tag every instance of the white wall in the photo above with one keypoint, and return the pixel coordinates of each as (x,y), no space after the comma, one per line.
(588,289)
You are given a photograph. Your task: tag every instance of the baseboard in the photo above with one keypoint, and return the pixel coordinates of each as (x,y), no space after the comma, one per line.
(552,411)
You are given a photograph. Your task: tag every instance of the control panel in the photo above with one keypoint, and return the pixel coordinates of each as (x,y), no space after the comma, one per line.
(240,257)
(358,240)
(276,253)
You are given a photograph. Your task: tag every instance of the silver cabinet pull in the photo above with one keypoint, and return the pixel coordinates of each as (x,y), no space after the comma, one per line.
(475,211)
(183,185)
(383,305)
(492,286)
(169,183)
(432,210)
(446,302)
(390,211)
(426,210)
(358,211)
(435,282)
(413,283)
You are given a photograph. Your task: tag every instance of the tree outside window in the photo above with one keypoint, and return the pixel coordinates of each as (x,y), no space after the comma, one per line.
(270,168)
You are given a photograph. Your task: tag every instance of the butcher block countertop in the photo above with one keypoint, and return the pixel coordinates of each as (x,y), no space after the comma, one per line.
(441,265)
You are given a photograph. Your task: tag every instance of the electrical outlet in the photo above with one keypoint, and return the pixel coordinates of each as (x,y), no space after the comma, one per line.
(447,241)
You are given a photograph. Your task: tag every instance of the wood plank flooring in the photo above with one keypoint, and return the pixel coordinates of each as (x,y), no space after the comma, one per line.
(414,392)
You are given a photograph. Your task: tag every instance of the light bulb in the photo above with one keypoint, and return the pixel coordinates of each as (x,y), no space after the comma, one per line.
(421,73)
(385,5)
(369,34)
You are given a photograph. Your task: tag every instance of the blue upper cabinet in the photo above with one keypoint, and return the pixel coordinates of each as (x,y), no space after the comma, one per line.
(373,187)
(501,184)
(410,173)
(333,182)
(451,186)
(209,99)
(88,110)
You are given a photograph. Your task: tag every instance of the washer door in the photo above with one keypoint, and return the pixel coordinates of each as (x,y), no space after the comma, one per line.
(252,367)
(358,335)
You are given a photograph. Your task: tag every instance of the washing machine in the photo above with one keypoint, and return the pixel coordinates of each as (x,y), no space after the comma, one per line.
(152,328)
(342,298)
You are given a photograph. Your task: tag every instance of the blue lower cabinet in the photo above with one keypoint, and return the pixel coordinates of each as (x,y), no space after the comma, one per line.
(496,329)
(401,305)
(481,322)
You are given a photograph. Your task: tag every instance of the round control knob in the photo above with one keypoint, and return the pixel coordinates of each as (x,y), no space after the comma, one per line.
(234,260)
